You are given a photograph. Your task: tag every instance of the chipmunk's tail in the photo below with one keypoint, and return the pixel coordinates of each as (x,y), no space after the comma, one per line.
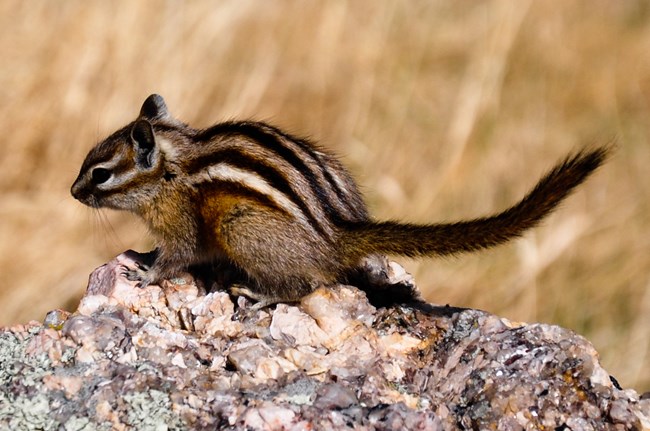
(395,238)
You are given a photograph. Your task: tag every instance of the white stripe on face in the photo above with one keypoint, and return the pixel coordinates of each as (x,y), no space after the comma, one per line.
(114,181)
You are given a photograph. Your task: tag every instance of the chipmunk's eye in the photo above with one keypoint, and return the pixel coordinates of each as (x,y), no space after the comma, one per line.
(100,175)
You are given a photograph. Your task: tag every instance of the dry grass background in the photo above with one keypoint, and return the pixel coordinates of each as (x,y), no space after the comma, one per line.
(442,110)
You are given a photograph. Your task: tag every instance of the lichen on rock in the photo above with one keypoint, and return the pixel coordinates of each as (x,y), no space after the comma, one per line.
(173,357)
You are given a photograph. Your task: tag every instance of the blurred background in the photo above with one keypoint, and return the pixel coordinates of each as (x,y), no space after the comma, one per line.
(442,111)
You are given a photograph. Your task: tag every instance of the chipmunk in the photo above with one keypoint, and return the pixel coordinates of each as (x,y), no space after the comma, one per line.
(281,210)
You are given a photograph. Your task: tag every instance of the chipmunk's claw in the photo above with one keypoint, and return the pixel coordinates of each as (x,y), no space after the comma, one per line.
(141,273)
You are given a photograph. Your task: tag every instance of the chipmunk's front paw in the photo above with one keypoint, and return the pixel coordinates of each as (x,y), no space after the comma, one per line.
(141,273)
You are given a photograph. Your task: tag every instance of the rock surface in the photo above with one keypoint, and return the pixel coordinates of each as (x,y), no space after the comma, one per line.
(174,358)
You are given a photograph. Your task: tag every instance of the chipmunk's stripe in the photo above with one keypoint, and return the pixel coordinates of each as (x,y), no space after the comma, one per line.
(242,160)
(234,188)
(351,198)
(227,172)
(271,141)
(122,176)
(334,182)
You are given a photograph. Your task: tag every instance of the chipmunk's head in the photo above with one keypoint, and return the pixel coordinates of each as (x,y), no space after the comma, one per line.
(129,167)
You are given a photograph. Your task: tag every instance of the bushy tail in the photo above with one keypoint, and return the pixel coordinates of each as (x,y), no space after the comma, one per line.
(395,238)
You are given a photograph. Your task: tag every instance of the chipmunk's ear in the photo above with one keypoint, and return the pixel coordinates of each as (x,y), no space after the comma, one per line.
(154,108)
(144,142)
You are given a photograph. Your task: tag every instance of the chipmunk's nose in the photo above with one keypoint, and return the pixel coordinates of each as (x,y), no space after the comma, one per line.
(78,191)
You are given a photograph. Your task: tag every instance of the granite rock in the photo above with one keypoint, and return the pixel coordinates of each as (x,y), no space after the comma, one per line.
(172,357)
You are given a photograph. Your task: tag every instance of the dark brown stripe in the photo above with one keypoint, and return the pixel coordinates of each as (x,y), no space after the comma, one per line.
(125,166)
(307,147)
(239,159)
(272,142)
